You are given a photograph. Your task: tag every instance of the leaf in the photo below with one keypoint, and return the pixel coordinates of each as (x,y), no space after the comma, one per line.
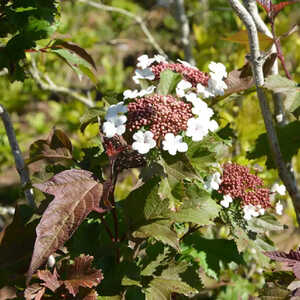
(50,280)
(273,292)
(34,291)
(161,231)
(289,88)
(242,79)
(276,8)
(265,223)
(15,252)
(90,116)
(167,83)
(217,250)
(57,147)
(73,60)
(81,274)
(289,142)
(170,281)
(75,49)
(241,37)
(76,195)
(197,206)
(266,4)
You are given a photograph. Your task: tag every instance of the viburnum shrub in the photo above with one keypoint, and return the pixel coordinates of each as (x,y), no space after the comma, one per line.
(153,243)
(193,225)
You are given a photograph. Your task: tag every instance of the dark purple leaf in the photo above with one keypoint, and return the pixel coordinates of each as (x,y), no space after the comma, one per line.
(56,147)
(76,195)
(76,49)
(81,274)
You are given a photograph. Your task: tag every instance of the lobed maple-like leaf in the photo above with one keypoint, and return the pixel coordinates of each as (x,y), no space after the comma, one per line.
(50,280)
(76,195)
(81,274)
(292,258)
(34,291)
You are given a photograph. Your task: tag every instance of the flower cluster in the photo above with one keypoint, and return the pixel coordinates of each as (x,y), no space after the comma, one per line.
(149,119)
(237,182)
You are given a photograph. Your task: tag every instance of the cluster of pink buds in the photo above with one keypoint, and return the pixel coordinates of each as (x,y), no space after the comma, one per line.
(149,119)
(237,183)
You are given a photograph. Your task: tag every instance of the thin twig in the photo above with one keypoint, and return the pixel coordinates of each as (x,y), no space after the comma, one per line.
(19,161)
(48,85)
(183,22)
(138,19)
(256,62)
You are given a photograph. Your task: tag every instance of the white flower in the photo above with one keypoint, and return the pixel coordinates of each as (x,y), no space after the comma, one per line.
(115,109)
(114,125)
(181,87)
(226,201)
(172,144)
(143,74)
(213,181)
(198,128)
(280,189)
(216,86)
(217,70)
(252,211)
(159,58)
(143,141)
(186,64)
(279,208)
(130,94)
(249,212)
(144,61)
(204,91)
(147,91)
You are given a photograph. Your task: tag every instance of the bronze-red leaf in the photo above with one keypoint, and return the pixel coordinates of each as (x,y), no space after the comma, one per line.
(50,280)
(81,274)
(76,195)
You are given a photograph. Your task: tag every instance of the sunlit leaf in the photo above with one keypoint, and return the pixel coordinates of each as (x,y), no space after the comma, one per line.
(76,195)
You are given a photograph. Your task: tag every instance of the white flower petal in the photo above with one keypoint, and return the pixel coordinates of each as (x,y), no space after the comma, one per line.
(109,129)
(217,69)
(279,208)
(143,74)
(144,61)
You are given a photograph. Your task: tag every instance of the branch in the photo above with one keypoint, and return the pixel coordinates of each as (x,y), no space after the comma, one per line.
(50,86)
(251,6)
(182,19)
(128,14)
(19,161)
(256,61)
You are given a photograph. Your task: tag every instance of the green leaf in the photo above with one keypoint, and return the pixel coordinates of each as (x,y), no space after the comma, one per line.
(161,231)
(265,223)
(170,281)
(197,206)
(289,88)
(91,116)
(168,81)
(217,250)
(289,141)
(273,292)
